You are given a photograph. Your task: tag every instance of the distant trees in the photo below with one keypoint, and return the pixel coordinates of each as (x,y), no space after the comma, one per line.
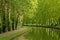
(41,11)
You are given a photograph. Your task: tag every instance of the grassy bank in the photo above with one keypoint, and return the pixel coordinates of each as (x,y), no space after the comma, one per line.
(15,34)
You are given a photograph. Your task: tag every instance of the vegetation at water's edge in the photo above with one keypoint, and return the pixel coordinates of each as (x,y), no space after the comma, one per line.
(15,13)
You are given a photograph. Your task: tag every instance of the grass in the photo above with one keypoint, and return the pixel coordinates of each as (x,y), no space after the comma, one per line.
(15,34)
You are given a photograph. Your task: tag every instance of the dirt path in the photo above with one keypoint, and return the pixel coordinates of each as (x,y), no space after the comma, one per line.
(11,32)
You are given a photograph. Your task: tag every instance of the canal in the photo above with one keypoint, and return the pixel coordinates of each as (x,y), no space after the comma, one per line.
(38,33)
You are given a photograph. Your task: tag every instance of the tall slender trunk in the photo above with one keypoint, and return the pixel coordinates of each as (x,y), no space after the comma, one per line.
(0,16)
(3,16)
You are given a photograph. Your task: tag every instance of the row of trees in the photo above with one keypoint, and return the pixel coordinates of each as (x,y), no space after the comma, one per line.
(9,15)
(43,12)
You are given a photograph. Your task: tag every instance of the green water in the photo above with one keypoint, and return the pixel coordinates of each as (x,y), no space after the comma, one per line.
(40,34)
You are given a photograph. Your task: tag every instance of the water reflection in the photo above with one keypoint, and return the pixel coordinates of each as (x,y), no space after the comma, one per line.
(40,34)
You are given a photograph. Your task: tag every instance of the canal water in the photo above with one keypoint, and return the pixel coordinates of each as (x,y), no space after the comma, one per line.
(38,33)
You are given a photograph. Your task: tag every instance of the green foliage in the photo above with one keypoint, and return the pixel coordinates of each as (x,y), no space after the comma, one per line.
(44,12)
(9,15)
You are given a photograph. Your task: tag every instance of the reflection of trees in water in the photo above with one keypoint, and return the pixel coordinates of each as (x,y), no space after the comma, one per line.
(42,33)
